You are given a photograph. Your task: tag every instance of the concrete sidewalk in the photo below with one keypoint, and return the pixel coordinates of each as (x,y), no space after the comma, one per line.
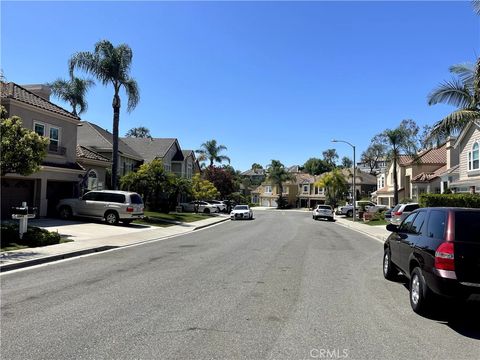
(379,232)
(89,240)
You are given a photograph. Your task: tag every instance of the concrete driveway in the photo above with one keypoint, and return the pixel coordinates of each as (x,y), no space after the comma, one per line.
(87,229)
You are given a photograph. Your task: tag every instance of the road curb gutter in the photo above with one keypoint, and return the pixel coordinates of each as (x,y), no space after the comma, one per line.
(207,225)
(378,238)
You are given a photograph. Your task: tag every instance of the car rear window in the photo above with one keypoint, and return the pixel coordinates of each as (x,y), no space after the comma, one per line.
(241,207)
(396,208)
(108,197)
(325,207)
(411,207)
(136,199)
(467,226)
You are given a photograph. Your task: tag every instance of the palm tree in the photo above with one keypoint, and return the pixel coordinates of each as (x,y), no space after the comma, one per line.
(72,91)
(139,132)
(277,175)
(210,151)
(335,186)
(462,92)
(110,65)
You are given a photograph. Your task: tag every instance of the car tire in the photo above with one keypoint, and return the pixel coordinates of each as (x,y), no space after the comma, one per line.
(390,272)
(206,211)
(111,218)
(65,212)
(330,219)
(349,213)
(421,297)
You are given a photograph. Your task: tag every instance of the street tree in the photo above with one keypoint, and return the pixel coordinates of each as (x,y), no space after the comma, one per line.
(373,154)
(111,65)
(346,162)
(222,179)
(277,175)
(203,189)
(23,150)
(335,186)
(210,151)
(139,132)
(463,92)
(401,140)
(316,166)
(330,156)
(73,91)
(256,166)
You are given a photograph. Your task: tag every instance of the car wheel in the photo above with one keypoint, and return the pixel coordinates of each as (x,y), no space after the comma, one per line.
(65,212)
(330,219)
(421,297)
(389,270)
(206,211)
(349,213)
(111,218)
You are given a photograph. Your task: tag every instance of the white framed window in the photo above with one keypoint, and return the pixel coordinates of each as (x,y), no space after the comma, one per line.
(474,157)
(268,189)
(50,132)
(39,128)
(54,133)
(92,180)
(306,188)
(167,167)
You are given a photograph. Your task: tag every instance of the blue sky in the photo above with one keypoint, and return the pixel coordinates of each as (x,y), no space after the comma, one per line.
(270,80)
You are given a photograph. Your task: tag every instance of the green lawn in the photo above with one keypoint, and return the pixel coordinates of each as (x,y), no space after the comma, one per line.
(163,220)
(377,222)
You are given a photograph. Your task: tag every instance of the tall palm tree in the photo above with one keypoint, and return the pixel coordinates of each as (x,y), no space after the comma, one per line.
(111,65)
(210,151)
(462,92)
(139,132)
(277,175)
(72,91)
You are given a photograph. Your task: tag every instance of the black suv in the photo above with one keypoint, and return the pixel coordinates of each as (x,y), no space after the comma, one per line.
(438,250)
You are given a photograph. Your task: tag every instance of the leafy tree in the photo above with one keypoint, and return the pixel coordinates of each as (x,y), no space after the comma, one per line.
(203,189)
(277,175)
(23,150)
(210,151)
(177,186)
(256,166)
(335,186)
(375,152)
(403,139)
(316,166)
(463,92)
(222,179)
(111,65)
(72,91)
(139,132)
(330,156)
(347,162)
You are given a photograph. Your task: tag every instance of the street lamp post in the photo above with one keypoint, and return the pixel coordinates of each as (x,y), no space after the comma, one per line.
(354,191)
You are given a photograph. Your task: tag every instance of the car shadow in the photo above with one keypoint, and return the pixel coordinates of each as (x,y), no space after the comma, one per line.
(462,317)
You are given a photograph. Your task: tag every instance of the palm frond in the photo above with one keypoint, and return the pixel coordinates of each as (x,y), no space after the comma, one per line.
(451,92)
(222,158)
(465,72)
(453,123)
(476,6)
(133,93)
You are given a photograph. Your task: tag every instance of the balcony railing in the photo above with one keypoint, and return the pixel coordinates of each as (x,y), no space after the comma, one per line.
(55,149)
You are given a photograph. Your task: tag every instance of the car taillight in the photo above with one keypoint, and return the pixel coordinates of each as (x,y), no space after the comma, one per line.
(398,213)
(444,257)
(130,209)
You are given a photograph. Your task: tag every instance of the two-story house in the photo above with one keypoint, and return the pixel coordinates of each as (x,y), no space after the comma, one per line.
(468,170)
(182,163)
(309,194)
(267,194)
(60,174)
(94,138)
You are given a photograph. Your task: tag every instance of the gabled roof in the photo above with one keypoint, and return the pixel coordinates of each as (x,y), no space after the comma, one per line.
(86,153)
(465,130)
(254,172)
(96,138)
(16,92)
(429,176)
(151,149)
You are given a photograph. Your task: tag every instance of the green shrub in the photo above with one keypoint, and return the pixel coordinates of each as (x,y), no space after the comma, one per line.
(450,200)
(34,237)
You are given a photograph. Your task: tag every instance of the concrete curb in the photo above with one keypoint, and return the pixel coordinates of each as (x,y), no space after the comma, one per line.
(46,259)
(376,237)
(207,225)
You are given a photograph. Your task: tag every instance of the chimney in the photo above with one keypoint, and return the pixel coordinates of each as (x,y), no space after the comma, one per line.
(452,153)
(41,90)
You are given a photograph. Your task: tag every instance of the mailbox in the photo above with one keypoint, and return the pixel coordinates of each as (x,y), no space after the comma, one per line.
(23,213)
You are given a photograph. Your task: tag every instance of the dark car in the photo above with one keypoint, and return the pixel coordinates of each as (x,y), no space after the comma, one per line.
(438,250)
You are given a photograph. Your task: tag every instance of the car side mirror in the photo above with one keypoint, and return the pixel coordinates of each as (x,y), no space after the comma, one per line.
(392,227)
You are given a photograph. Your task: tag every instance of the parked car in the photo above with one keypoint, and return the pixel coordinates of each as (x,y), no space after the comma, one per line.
(222,206)
(111,205)
(438,250)
(201,206)
(323,211)
(402,212)
(348,209)
(241,212)
(388,213)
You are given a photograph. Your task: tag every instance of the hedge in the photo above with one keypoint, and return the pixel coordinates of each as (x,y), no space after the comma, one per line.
(34,236)
(451,200)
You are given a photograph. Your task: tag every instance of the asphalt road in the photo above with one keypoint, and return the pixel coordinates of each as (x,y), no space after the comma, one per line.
(279,287)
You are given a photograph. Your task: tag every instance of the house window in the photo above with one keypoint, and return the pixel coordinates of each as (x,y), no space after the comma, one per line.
(285,190)
(305,188)
(268,189)
(167,167)
(39,129)
(473,157)
(54,138)
(92,183)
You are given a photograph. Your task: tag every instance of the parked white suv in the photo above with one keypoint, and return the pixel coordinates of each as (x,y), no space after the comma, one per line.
(111,205)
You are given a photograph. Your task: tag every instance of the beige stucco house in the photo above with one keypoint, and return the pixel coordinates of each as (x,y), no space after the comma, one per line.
(60,173)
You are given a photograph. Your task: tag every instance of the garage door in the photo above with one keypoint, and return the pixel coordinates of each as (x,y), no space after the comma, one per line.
(273,203)
(14,192)
(265,202)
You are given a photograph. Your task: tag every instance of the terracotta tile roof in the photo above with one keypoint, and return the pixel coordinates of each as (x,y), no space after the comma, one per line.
(13,91)
(404,159)
(429,176)
(86,153)
(431,156)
